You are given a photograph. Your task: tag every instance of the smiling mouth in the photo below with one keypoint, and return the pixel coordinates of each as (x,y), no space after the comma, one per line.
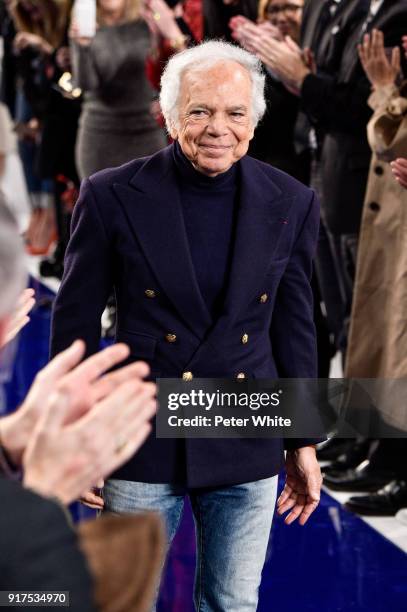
(215,147)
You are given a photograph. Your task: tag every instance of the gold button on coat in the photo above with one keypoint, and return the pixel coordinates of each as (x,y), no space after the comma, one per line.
(241,375)
(263,298)
(171,337)
(245,339)
(187,376)
(150,293)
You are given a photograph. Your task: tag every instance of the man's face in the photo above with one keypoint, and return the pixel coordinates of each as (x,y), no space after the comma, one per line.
(215,116)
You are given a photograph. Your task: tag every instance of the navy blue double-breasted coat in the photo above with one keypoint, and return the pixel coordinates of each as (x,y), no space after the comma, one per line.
(128,234)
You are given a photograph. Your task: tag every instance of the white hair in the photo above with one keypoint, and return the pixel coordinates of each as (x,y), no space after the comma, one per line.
(13,275)
(206,55)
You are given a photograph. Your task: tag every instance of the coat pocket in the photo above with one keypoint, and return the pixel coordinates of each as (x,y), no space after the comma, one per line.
(142,346)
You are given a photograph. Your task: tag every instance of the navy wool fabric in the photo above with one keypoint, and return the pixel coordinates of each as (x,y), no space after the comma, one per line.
(209,205)
(128,233)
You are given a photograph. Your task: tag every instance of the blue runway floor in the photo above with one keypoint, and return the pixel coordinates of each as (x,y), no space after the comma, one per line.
(337,563)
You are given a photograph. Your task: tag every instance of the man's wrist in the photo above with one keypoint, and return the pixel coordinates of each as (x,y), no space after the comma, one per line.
(302,76)
(303,448)
(384,84)
(39,483)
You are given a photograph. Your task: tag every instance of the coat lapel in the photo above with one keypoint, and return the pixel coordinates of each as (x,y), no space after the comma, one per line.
(261,219)
(152,204)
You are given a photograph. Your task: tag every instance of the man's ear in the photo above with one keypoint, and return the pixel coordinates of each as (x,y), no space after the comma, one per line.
(252,132)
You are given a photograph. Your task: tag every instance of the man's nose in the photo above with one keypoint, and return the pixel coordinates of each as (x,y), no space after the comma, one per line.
(217,125)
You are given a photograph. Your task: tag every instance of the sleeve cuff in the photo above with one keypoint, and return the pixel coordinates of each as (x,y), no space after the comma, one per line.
(295,443)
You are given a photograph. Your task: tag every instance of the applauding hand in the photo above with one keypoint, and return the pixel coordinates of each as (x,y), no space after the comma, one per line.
(379,70)
(20,317)
(399,169)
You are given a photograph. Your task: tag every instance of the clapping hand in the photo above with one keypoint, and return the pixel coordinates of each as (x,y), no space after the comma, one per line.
(248,34)
(64,460)
(399,169)
(83,382)
(20,317)
(161,19)
(378,68)
(282,55)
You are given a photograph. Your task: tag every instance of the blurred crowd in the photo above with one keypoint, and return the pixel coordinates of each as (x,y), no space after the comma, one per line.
(76,106)
(336,120)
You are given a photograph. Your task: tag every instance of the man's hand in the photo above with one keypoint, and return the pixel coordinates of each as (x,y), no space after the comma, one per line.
(302,488)
(20,317)
(64,460)
(285,59)
(83,384)
(242,28)
(379,70)
(399,169)
(92,498)
(160,18)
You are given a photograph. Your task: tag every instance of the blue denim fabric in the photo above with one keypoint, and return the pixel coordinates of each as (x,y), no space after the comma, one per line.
(232,533)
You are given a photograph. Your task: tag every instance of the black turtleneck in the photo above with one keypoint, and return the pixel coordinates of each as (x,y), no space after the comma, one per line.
(210,206)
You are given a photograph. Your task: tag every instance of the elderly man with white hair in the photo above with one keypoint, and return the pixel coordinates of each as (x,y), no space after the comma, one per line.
(209,253)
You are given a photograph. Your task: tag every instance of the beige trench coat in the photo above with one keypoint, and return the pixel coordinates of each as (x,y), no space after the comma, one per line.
(377,346)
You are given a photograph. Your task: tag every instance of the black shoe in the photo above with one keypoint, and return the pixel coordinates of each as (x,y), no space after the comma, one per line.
(386,502)
(363,478)
(332,448)
(350,459)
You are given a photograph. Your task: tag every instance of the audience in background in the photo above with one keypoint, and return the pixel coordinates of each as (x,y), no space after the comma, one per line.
(274,140)
(110,70)
(41,28)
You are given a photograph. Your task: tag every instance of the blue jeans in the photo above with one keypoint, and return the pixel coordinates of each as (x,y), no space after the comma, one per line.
(232,533)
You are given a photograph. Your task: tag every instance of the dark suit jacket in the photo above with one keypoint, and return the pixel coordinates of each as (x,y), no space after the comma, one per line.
(39,550)
(273,140)
(128,232)
(216,16)
(338,105)
(326,34)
